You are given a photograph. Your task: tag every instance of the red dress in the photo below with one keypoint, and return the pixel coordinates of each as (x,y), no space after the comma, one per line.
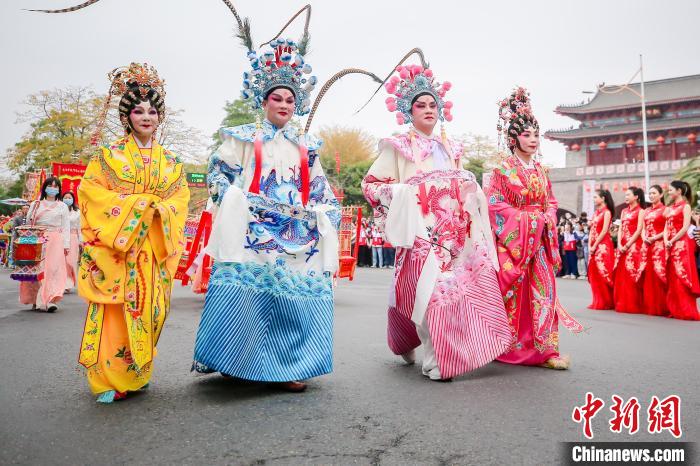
(653,264)
(628,270)
(683,286)
(600,264)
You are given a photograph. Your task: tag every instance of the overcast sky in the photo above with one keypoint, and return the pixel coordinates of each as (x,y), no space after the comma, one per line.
(554,48)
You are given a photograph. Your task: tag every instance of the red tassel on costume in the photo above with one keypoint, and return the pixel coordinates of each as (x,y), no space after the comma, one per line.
(423,198)
(255,184)
(304,169)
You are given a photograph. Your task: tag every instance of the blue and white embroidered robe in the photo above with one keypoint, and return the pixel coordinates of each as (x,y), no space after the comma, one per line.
(268,314)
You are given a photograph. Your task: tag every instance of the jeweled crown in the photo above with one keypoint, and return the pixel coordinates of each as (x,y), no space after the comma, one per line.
(142,75)
(282,66)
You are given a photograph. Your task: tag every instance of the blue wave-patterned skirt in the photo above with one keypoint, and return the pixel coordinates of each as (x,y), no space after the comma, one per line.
(266,322)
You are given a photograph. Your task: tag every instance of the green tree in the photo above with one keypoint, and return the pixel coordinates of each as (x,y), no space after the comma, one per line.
(350,180)
(478,166)
(351,144)
(481,154)
(691,175)
(10,189)
(61,122)
(355,149)
(238,113)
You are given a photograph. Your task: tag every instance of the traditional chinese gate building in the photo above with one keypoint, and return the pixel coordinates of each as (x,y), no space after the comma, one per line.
(605,148)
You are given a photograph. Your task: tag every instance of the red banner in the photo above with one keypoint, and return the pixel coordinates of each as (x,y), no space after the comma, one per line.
(70,175)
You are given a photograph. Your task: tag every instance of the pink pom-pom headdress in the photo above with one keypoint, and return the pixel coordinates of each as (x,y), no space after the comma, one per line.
(411,81)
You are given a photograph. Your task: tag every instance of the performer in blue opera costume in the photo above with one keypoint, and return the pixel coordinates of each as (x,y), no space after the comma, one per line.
(268,314)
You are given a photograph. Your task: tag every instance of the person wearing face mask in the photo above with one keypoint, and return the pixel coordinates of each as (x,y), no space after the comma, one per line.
(133,203)
(74,250)
(268,315)
(52,214)
(445,284)
(523,213)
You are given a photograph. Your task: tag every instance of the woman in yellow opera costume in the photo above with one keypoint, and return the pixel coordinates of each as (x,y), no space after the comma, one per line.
(133,203)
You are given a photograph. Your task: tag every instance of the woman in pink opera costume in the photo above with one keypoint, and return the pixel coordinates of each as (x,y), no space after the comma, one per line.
(523,217)
(445,294)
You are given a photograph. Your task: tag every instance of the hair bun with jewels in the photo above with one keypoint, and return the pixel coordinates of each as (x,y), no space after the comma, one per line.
(514,116)
(411,81)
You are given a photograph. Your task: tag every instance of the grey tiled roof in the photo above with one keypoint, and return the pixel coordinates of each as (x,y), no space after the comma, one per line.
(661,91)
(630,128)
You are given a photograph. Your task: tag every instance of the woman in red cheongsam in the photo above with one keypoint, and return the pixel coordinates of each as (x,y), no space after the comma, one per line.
(654,256)
(600,246)
(683,286)
(628,270)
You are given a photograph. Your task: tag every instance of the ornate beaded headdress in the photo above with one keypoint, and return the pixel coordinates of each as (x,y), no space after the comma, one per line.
(133,84)
(514,115)
(282,66)
(411,81)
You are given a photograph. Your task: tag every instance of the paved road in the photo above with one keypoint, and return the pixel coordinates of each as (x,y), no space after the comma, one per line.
(371,410)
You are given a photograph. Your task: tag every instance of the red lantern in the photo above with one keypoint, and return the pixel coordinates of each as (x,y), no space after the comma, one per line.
(661,139)
(630,142)
(692,137)
(575,147)
(602,145)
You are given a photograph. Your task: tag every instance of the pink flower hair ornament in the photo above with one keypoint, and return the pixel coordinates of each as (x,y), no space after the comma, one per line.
(411,81)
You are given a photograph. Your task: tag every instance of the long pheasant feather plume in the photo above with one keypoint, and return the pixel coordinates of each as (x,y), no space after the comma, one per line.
(416,51)
(303,43)
(243,32)
(330,83)
(70,9)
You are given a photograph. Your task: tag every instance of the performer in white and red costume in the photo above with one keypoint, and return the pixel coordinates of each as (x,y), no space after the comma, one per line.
(445,294)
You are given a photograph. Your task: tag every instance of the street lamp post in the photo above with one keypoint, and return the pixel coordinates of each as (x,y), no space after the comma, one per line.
(641,96)
(647,183)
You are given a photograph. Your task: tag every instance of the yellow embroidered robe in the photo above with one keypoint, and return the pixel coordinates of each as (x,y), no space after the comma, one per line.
(132,219)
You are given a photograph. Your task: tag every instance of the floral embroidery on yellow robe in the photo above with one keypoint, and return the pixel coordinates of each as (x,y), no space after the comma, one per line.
(132,220)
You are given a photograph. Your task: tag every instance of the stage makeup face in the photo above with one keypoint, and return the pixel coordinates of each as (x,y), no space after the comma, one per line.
(528,141)
(279,106)
(424,112)
(144,120)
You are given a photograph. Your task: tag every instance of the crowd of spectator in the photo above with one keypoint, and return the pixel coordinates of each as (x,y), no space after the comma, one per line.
(374,250)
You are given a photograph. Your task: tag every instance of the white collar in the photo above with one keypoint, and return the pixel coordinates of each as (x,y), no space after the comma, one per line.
(148,145)
(526,165)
